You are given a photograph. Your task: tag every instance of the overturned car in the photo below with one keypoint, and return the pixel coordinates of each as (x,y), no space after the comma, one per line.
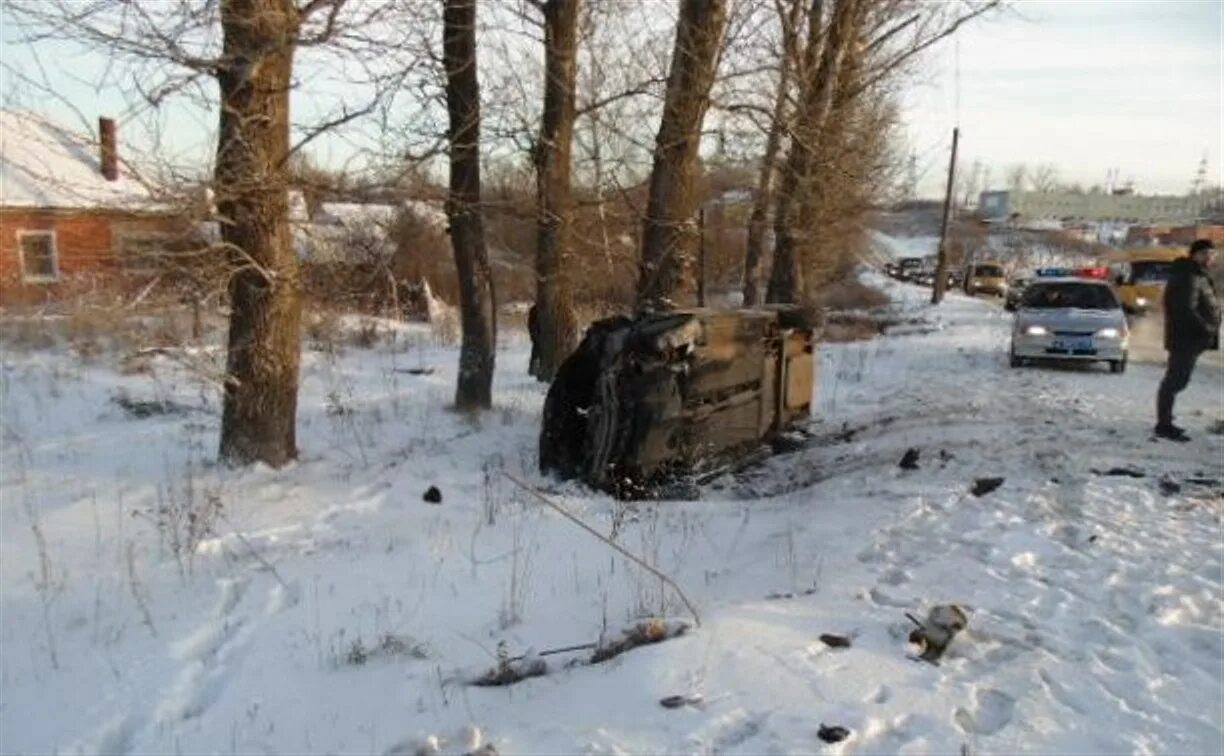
(645,401)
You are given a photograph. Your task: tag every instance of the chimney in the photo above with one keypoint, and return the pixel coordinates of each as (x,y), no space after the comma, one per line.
(109,152)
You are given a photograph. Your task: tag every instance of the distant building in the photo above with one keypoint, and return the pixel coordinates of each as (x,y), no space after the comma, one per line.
(1094,207)
(71,210)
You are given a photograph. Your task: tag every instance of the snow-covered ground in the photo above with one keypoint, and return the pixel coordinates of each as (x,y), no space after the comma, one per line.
(327,608)
(895,247)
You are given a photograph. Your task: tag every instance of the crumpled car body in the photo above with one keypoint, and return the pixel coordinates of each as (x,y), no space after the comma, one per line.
(644,400)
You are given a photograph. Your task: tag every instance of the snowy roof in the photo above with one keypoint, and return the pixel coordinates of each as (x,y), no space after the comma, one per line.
(44,165)
(354,214)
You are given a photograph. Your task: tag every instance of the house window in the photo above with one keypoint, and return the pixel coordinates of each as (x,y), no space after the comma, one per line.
(38,258)
(143,252)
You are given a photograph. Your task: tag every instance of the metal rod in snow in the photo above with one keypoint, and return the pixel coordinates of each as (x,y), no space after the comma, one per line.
(941,265)
(615,546)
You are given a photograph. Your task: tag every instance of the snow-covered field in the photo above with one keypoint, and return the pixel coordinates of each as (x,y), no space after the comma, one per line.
(327,608)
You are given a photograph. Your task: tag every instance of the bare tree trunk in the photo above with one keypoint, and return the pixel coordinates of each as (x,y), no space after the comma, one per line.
(260,407)
(818,206)
(815,102)
(558,329)
(476,302)
(669,236)
(758,221)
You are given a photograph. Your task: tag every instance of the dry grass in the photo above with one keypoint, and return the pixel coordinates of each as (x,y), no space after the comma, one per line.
(851,294)
(847,328)
(99,324)
(853,310)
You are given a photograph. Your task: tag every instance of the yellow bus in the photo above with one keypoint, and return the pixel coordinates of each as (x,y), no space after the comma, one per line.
(1140,275)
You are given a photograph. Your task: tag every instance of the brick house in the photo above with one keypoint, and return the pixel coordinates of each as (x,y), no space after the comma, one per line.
(73,216)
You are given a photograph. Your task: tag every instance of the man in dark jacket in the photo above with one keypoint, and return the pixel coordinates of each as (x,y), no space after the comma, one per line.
(533,330)
(1192,325)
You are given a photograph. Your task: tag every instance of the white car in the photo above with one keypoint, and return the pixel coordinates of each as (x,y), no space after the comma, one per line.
(1069,318)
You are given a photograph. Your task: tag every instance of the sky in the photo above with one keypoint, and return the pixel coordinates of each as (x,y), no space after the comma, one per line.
(1084,85)
(1087,86)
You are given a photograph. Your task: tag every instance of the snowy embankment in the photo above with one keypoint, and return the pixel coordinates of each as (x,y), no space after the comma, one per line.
(328,608)
(891,248)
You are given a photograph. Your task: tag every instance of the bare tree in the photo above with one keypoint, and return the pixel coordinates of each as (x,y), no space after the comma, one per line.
(168,52)
(790,13)
(669,234)
(1017,177)
(557,326)
(816,91)
(971,184)
(854,53)
(474,389)
(260,409)
(1044,178)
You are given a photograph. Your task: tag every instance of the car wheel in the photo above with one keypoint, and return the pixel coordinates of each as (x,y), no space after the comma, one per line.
(1016,361)
(1118,366)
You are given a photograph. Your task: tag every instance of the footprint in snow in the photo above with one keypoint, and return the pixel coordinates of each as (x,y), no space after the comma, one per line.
(992,711)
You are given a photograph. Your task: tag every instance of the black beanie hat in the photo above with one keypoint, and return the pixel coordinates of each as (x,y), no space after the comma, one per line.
(1201,244)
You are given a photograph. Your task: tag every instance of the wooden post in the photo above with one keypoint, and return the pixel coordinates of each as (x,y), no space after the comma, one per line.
(941,266)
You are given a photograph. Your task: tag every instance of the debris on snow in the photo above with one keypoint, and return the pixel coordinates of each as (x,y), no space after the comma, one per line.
(141,409)
(983,486)
(645,633)
(1169,487)
(835,641)
(675,702)
(834,734)
(1121,472)
(934,635)
(511,671)
(433,495)
(910,460)
(791,594)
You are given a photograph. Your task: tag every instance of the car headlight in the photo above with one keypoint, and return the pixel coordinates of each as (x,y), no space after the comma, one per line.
(1035,330)
(1141,301)
(1108,333)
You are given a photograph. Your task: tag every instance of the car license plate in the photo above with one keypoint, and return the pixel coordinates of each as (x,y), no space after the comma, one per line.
(1073,344)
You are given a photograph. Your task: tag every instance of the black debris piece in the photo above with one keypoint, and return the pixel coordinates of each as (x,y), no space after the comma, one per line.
(1121,472)
(834,734)
(433,495)
(983,486)
(1200,480)
(675,702)
(835,641)
(910,460)
(1168,486)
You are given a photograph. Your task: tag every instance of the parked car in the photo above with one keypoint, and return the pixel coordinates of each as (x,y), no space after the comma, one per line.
(1070,318)
(986,278)
(908,267)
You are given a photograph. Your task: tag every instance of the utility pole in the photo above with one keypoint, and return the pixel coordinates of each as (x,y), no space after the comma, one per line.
(941,266)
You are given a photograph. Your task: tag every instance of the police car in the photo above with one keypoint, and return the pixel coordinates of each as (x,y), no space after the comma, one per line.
(1068,314)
